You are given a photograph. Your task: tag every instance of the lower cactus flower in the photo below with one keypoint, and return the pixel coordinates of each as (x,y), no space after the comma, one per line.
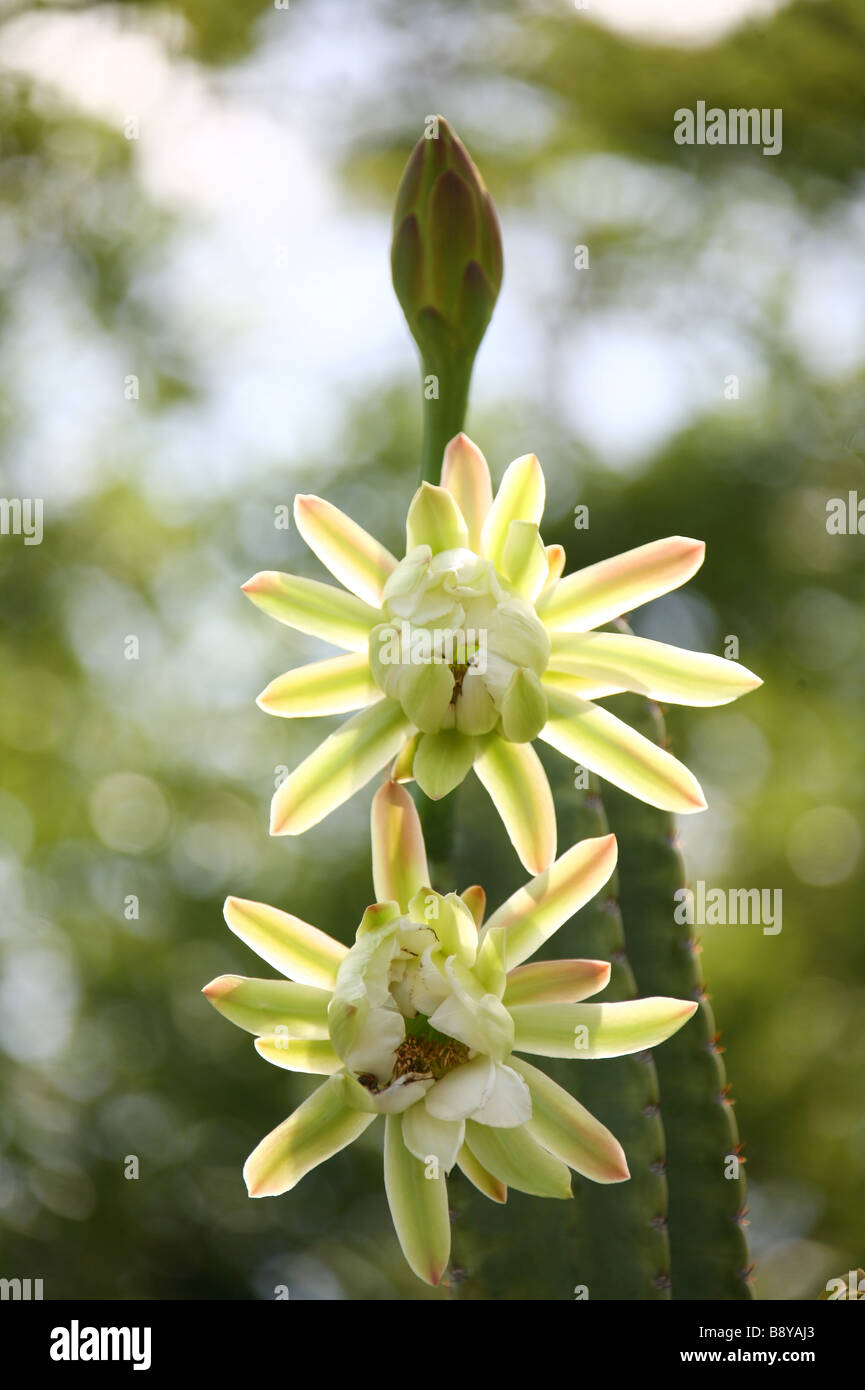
(463,652)
(422,1021)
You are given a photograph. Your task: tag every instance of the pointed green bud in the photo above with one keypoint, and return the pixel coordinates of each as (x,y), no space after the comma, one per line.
(524,708)
(474,709)
(425,694)
(434,520)
(446,255)
(442,761)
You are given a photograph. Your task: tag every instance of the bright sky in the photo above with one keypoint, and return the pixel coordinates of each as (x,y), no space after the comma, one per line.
(686,21)
(281,289)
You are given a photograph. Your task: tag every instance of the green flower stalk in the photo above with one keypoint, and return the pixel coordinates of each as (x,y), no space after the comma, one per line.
(446,260)
(472,645)
(421,1021)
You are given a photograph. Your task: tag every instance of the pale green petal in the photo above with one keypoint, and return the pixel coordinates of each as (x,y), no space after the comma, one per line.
(556,982)
(441,761)
(601,592)
(597,1030)
(296,949)
(531,915)
(475,711)
(434,519)
(606,745)
(318,1129)
(384,658)
(399,863)
(293,1054)
(466,477)
(569,684)
(524,559)
(321,610)
(491,966)
(524,707)
(654,669)
(335,686)
(477,1175)
(516,781)
(425,693)
(426,1136)
(520,497)
(268,1006)
(418,1205)
(338,768)
(456,930)
(517,634)
(353,556)
(567,1129)
(518,1160)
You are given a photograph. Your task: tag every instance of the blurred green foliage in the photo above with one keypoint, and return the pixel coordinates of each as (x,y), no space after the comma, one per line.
(151,777)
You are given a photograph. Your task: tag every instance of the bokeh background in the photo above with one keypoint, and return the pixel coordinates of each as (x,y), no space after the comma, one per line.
(196,322)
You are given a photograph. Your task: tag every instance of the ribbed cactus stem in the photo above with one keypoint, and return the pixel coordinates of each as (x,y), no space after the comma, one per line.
(704,1169)
(609,1241)
(622,1229)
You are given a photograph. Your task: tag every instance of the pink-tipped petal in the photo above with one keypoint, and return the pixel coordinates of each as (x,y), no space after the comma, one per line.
(320,610)
(293,947)
(475,900)
(531,915)
(569,1131)
(653,669)
(339,685)
(418,1200)
(399,863)
(556,560)
(338,768)
(606,745)
(515,779)
(466,477)
(353,556)
(604,591)
(319,1128)
(556,982)
(579,1031)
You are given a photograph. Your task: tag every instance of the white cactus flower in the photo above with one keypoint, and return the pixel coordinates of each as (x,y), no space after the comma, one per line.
(424,1020)
(473,645)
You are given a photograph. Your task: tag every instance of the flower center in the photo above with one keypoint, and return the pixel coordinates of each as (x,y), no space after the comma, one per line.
(459,648)
(427,1051)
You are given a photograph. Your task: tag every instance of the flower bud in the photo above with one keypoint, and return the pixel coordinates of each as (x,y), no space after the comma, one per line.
(446,256)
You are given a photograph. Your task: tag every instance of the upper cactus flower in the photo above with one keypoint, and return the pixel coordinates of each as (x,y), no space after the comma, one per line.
(420,1020)
(446,256)
(473,645)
